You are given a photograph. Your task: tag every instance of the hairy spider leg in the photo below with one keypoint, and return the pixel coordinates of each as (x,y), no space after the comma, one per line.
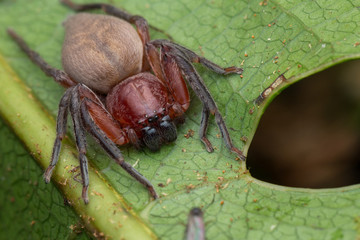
(80,138)
(183,58)
(170,65)
(59,76)
(61,123)
(110,147)
(101,117)
(209,105)
(89,114)
(168,72)
(193,57)
(100,124)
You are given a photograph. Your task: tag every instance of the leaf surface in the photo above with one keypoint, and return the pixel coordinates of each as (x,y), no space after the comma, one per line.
(294,38)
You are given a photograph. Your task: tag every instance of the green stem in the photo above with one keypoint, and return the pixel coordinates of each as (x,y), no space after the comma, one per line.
(107,214)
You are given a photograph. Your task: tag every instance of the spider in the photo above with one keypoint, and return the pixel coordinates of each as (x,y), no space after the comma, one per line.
(124,88)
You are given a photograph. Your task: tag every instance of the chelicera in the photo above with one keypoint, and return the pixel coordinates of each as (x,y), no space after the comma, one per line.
(124,88)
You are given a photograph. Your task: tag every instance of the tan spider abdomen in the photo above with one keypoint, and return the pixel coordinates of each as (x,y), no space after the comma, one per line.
(100,51)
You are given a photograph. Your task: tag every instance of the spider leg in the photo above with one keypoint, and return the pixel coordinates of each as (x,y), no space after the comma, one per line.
(110,147)
(59,75)
(88,113)
(166,69)
(197,84)
(76,178)
(102,118)
(109,9)
(100,124)
(61,122)
(203,93)
(203,128)
(80,138)
(193,57)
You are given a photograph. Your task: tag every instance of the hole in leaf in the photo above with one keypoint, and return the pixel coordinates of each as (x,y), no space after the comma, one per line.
(309,136)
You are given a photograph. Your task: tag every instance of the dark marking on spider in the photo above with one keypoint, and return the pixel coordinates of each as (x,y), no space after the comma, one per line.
(124,88)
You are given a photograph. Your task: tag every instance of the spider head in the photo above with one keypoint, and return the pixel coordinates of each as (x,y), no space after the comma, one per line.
(159,131)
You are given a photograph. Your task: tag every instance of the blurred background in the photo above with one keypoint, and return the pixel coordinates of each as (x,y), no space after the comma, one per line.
(309,136)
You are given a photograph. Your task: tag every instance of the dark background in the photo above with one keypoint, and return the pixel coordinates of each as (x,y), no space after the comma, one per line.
(309,136)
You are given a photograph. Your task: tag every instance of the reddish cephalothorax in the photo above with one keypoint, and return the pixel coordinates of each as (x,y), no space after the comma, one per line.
(124,88)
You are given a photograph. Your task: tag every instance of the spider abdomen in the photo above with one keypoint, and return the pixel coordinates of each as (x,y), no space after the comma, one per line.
(100,51)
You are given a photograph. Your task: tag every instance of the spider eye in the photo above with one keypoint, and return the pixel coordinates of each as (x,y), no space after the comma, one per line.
(167,129)
(151,138)
(153,119)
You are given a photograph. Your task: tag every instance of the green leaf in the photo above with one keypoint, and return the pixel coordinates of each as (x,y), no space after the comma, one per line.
(28,206)
(294,38)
